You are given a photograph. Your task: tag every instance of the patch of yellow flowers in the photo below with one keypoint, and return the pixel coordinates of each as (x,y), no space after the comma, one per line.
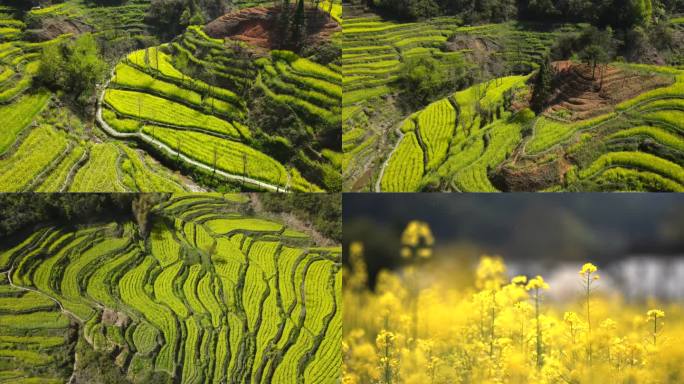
(501,330)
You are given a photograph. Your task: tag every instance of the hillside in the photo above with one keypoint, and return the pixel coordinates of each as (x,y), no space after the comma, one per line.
(444,103)
(213,294)
(249,116)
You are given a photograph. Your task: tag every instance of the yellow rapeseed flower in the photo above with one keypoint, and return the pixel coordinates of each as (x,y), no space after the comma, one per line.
(384,339)
(571,318)
(417,233)
(537,283)
(417,240)
(356,248)
(655,314)
(519,280)
(588,268)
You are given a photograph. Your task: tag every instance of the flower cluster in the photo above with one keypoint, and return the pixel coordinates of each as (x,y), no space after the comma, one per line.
(499,330)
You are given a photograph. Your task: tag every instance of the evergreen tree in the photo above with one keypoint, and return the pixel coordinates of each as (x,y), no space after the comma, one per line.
(542,85)
(298,24)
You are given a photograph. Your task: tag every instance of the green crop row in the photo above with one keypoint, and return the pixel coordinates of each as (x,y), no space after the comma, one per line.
(73,298)
(405,167)
(55,180)
(24,82)
(638,160)
(17,116)
(163,245)
(215,313)
(205,293)
(157,109)
(675,90)
(227,226)
(145,338)
(133,293)
(141,175)
(31,157)
(548,133)
(28,302)
(437,123)
(98,174)
(100,284)
(617,178)
(232,157)
(673,118)
(35,320)
(503,137)
(130,77)
(660,135)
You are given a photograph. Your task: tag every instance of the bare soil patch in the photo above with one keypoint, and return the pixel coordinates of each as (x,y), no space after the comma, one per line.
(580,92)
(53,27)
(258,26)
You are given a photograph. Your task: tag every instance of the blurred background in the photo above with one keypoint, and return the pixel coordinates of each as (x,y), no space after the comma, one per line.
(637,240)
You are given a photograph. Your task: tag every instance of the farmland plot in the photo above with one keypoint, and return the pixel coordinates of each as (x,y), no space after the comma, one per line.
(211,295)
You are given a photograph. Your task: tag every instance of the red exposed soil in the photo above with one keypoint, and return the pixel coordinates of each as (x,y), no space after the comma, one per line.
(257,26)
(580,93)
(54,27)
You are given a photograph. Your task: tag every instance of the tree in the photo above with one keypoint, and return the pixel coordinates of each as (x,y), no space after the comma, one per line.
(593,55)
(298,24)
(542,85)
(642,12)
(142,207)
(165,15)
(73,66)
(422,78)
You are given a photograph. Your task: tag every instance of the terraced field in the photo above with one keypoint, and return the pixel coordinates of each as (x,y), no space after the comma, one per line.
(35,336)
(151,99)
(621,130)
(373,51)
(456,142)
(30,118)
(635,145)
(211,296)
(195,90)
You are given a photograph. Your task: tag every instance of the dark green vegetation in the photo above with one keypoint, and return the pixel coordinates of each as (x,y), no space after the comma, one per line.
(73,67)
(512,96)
(323,211)
(133,95)
(212,293)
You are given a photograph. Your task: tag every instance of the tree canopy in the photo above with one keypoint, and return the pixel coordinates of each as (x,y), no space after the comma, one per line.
(623,14)
(74,66)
